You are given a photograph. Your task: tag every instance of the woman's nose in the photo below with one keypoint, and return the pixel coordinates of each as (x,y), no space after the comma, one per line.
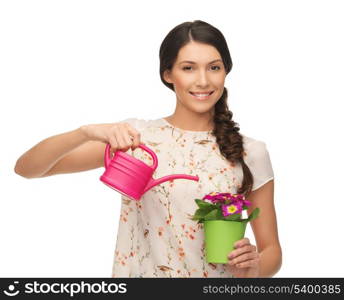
(202,79)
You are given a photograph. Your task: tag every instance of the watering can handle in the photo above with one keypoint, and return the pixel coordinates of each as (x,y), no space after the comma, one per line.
(107,157)
(153,155)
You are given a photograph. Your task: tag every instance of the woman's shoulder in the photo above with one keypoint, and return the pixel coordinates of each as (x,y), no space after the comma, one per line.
(258,160)
(254,147)
(249,141)
(140,123)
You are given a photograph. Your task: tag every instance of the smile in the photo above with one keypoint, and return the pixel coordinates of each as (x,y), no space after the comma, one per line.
(201,96)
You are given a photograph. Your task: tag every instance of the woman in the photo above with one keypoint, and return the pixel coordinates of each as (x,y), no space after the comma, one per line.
(156,237)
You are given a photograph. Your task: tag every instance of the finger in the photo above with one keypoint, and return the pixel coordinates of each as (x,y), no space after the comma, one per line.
(121,141)
(248,264)
(243,258)
(113,144)
(135,135)
(244,249)
(240,243)
(131,136)
(127,138)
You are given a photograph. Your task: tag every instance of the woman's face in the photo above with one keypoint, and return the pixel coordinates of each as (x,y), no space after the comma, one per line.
(198,71)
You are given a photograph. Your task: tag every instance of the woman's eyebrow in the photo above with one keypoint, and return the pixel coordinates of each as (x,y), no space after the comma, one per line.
(192,62)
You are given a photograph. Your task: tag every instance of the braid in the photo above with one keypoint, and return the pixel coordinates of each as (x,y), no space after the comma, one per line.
(230,141)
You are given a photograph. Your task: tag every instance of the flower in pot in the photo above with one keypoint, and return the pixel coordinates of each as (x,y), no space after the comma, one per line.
(221,214)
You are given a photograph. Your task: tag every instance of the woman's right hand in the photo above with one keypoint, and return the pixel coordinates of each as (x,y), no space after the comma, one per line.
(121,135)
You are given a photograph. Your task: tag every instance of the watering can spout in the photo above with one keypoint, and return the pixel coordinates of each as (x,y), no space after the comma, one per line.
(153,182)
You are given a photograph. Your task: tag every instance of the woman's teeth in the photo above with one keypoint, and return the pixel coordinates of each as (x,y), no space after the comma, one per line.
(201,96)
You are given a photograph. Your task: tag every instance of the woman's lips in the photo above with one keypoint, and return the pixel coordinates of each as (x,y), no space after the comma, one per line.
(201,96)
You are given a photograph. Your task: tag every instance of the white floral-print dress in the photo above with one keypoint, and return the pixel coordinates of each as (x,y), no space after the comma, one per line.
(156,237)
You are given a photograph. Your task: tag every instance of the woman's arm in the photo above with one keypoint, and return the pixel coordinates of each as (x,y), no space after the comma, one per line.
(265,259)
(77,150)
(42,157)
(265,230)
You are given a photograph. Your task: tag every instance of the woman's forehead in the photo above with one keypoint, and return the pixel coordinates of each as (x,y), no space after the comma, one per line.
(198,53)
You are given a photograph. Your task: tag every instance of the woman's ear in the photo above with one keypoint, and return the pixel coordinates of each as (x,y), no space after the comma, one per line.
(167,76)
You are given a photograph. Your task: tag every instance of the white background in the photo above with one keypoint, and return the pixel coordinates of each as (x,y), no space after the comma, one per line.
(68,63)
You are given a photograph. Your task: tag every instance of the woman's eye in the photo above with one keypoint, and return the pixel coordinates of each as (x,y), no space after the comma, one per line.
(186,68)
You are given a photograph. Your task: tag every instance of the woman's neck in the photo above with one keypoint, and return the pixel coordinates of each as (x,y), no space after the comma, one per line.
(191,123)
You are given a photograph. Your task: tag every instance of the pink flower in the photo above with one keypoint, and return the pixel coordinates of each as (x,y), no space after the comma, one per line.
(247,203)
(225,204)
(216,197)
(230,209)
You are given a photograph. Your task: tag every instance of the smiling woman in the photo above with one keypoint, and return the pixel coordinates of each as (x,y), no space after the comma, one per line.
(197,76)
(202,137)
(157,236)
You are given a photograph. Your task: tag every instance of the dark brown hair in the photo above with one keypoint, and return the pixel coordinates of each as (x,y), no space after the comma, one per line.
(226,131)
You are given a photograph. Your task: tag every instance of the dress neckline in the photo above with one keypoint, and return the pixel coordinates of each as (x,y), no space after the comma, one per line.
(183,130)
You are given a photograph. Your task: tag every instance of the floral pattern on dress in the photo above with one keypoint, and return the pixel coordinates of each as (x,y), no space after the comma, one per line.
(156,236)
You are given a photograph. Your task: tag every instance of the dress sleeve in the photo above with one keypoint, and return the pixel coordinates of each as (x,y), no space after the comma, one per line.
(138,124)
(260,164)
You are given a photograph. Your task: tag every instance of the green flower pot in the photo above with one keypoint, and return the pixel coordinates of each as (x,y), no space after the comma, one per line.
(220,237)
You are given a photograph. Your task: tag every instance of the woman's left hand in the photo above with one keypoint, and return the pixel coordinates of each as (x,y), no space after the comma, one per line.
(243,261)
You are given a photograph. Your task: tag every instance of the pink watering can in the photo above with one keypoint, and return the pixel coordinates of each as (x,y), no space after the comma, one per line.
(132,177)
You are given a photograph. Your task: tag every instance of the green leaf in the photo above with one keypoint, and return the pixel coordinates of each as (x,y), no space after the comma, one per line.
(233,217)
(201,213)
(253,215)
(215,214)
(202,204)
(206,210)
(198,215)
